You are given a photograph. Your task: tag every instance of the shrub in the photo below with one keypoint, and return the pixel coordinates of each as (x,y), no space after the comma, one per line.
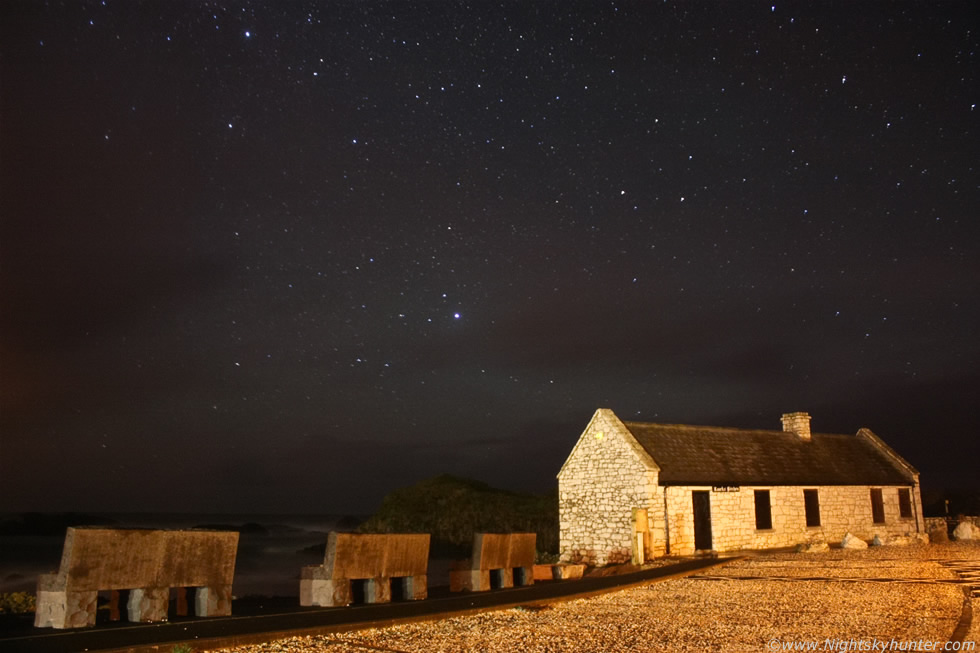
(453,509)
(16,603)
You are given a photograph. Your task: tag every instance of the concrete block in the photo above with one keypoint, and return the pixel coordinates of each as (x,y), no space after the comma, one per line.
(213,601)
(417,588)
(411,588)
(469,580)
(502,578)
(146,562)
(315,589)
(523,576)
(148,605)
(544,572)
(377,590)
(58,608)
(375,559)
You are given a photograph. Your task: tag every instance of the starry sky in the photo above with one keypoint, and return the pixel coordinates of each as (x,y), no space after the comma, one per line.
(287,256)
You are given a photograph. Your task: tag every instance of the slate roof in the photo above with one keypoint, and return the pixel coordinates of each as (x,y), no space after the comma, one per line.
(707,455)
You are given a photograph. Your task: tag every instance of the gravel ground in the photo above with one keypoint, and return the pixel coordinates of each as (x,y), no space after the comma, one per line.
(743,606)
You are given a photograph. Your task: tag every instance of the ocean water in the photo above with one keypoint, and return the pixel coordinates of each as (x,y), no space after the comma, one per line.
(270,552)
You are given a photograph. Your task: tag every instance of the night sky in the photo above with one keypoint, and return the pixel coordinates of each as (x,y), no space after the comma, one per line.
(288,256)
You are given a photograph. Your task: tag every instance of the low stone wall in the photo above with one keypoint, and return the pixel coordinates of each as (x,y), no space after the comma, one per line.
(949,523)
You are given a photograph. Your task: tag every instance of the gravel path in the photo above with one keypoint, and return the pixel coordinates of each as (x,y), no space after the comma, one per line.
(883,593)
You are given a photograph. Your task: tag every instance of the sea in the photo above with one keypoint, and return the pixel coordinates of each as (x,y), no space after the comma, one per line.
(271,548)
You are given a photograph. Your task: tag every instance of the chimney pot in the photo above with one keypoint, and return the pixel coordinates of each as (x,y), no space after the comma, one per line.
(798,423)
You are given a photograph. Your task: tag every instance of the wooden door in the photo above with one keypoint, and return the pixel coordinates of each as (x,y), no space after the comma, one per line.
(702,519)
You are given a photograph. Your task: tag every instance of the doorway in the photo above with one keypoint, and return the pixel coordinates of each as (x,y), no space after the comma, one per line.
(702,519)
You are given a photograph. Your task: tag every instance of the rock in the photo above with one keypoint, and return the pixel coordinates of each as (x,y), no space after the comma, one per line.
(816,546)
(876,541)
(918,538)
(938,536)
(966,531)
(851,542)
(569,572)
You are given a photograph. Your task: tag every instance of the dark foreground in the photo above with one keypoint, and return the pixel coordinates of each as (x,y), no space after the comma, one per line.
(258,620)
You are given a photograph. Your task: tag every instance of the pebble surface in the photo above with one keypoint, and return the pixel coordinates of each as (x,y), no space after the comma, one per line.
(759,603)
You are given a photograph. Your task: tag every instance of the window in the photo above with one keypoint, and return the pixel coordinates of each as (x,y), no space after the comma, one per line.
(877,506)
(904,503)
(763,512)
(811,503)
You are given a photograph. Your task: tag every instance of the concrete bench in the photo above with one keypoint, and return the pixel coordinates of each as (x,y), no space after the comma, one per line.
(147,563)
(499,560)
(377,559)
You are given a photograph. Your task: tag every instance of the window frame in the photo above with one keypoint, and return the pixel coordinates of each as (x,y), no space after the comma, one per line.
(811,508)
(905,503)
(877,506)
(766,524)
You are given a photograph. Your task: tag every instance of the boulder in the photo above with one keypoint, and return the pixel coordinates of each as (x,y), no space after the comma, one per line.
(919,538)
(966,531)
(851,542)
(876,541)
(938,536)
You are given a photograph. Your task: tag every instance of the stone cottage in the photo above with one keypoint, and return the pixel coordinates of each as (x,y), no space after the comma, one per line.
(634,490)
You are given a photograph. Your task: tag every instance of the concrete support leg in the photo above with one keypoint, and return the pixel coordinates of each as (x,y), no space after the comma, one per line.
(59,609)
(316,589)
(114,606)
(377,590)
(181,601)
(213,601)
(502,578)
(523,576)
(148,605)
(416,587)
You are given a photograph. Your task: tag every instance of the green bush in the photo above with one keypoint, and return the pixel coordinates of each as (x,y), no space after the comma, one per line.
(16,602)
(452,509)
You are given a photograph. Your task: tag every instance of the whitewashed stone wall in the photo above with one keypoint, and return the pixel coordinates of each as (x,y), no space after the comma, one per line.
(603,480)
(843,509)
(608,475)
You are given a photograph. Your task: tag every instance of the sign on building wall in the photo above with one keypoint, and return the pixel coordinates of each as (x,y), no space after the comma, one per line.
(725,488)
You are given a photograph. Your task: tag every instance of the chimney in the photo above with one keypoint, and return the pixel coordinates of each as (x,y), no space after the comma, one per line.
(798,423)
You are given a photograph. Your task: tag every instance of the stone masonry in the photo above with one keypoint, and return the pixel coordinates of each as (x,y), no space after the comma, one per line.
(843,509)
(612,507)
(605,476)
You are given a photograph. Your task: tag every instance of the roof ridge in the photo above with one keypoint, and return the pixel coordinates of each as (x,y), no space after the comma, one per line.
(725,428)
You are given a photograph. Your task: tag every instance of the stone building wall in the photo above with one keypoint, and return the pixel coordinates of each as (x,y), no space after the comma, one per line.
(843,509)
(608,491)
(603,480)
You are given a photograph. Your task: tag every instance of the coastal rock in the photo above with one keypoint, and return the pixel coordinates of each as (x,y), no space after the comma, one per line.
(966,531)
(851,542)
